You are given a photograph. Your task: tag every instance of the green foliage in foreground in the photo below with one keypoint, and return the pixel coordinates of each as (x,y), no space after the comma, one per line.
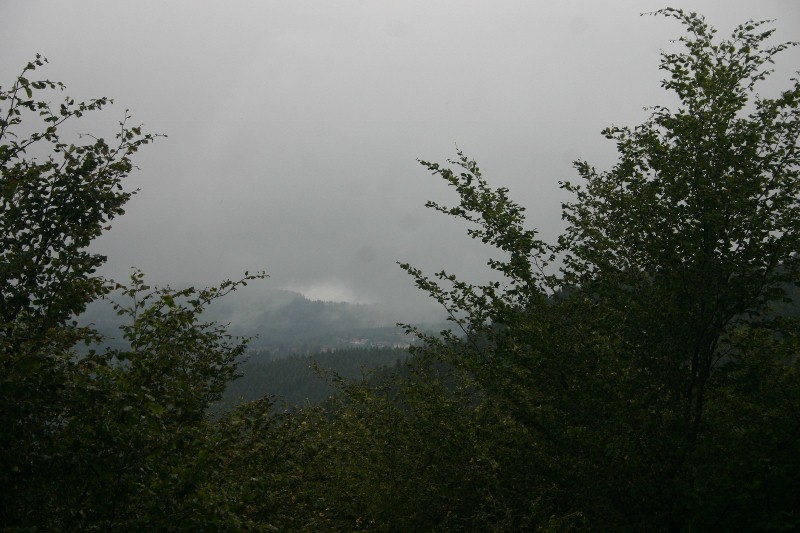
(652,382)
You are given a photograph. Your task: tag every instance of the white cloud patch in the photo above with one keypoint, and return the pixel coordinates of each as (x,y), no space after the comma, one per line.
(328,291)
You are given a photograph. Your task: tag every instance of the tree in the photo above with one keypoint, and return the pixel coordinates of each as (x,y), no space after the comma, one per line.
(702,208)
(52,207)
(637,368)
(141,444)
(93,437)
(696,230)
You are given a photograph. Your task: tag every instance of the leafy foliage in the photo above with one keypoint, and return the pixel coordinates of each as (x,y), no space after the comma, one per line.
(109,438)
(50,210)
(625,369)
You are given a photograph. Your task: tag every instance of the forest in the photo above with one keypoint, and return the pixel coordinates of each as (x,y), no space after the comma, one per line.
(297,380)
(639,373)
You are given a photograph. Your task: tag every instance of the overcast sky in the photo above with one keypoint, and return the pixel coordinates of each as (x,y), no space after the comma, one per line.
(294,127)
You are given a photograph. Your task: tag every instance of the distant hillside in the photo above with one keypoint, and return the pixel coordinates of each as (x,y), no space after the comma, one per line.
(306,326)
(286,322)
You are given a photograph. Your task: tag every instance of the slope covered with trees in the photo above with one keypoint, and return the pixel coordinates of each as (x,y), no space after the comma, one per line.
(640,373)
(297,380)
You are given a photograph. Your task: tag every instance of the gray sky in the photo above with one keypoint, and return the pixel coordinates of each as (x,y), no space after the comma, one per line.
(294,127)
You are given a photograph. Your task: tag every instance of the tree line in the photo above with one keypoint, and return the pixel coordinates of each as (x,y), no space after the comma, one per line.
(639,373)
(295,380)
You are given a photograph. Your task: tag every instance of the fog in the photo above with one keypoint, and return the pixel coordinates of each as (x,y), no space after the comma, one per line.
(294,128)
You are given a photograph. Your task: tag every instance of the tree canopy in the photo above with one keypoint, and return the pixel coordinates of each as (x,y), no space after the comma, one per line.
(92,437)
(634,351)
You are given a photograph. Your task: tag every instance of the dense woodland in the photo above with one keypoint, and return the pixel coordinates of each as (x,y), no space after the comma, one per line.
(640,373)
(296,380)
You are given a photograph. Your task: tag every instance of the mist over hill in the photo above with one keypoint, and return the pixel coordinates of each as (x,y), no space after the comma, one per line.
(286,322)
